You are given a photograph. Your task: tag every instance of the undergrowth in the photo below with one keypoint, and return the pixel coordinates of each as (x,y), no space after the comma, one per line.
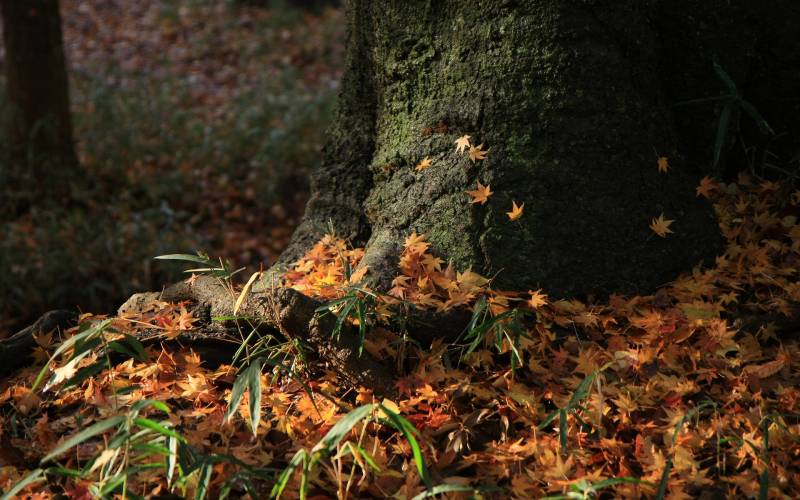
(174,148)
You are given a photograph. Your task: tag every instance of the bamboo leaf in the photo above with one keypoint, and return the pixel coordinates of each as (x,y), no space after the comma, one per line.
(34,476)
(89,432)
(245,291)
(254,384)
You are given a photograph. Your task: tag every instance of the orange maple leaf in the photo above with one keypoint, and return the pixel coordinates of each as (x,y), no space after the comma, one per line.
(416,243)
(660,226)
(705,187)
(477,153)
(481,194)
(538,299)
(423,164)
(462,143)
(663,164)
(516,211)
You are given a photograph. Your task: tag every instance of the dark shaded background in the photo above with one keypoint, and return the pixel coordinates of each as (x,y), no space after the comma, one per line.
(197,122)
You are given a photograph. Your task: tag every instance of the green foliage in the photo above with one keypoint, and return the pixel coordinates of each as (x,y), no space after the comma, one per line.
(572,408)
(504,327)
(305,460)
(731,101)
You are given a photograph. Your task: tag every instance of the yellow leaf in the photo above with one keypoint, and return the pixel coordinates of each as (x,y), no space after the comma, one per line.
(477,153)
(462,143)
(358,275)
(516,211)
(422,165)
(660,226)
(481,194)
(663,165)
(245,290)
(389,405)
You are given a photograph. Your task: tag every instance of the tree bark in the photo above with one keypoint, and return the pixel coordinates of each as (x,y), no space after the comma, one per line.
(573,99)
(40,127)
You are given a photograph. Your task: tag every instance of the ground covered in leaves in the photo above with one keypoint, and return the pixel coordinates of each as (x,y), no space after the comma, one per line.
(689,392)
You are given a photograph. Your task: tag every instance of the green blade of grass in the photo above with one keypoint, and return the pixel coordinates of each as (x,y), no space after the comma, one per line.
(408,431)
(89,432)
(155,426)
(254,383)
(34,476)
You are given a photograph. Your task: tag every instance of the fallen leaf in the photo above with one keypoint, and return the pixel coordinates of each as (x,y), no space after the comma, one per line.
(538,299)
(660,226)
(663,165)
(423,164)
(705,187)
(477,153)
(516,211)
(481,194)
(462,143)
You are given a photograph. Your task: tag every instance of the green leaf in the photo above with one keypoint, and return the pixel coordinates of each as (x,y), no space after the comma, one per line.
(582,391)
(239,386)
(280,484)
(548,419)
(341,428)
(34,476)
(613,481)
(751,110)
(722,129)
(726,78)
(563,431)
(661,493)
(114,483)
(94,330)
(150,449)
(89,432)
(186,257)
(452,488)
(145,403)
(159,428)
(254,383)
(203,482)
(172,459)
(763,485)
(408,431)
(365,456)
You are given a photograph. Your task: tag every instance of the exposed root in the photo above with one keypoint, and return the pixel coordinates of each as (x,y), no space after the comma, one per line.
(293,314)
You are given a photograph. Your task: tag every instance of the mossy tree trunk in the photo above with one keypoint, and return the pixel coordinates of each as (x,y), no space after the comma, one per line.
(573,99)
(39,128)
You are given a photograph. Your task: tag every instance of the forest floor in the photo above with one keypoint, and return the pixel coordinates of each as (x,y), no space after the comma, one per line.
(197,122)
(691,392)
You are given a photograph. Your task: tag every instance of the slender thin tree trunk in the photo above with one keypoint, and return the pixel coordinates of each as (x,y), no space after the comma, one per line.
(39,128)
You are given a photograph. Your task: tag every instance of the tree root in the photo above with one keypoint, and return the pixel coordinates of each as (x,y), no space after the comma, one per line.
(287,310)
(290,312)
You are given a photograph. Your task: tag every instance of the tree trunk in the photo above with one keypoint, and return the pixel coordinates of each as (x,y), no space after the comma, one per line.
(574,103)
(39,128)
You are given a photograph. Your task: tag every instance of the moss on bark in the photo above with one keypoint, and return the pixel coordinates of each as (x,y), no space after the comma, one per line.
(572,101)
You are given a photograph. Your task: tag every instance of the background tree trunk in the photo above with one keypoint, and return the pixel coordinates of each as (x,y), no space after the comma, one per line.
(39,128)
